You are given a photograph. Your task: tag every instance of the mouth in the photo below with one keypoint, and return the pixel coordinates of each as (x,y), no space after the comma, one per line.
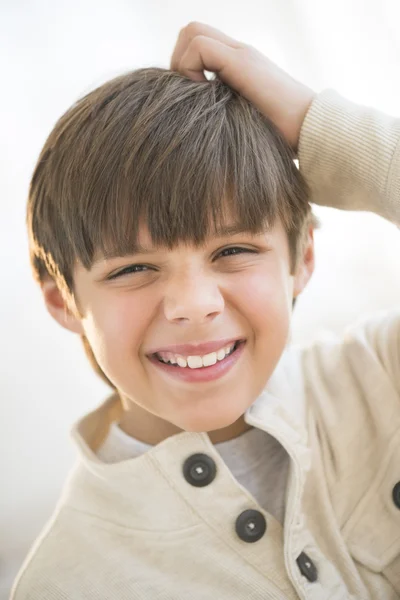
(181,362)
(192,369)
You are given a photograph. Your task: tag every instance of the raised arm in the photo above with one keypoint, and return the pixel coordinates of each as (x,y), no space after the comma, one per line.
(349,154)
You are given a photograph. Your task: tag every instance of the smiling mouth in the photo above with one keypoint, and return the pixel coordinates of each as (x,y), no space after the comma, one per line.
(187,366)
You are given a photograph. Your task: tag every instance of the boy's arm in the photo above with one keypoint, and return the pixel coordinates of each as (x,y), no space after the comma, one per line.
(349,154)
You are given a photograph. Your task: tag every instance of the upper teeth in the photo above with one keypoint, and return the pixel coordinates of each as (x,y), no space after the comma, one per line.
(195,362)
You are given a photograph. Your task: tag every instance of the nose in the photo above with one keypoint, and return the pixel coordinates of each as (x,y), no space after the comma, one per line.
(195,298)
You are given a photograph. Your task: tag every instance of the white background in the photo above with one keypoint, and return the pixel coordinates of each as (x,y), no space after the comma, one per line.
(51,53)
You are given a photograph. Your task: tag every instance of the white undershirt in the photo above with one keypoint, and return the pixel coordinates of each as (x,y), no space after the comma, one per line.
(256,459)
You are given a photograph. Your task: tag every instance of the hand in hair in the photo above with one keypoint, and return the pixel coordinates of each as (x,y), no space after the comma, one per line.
(274,92)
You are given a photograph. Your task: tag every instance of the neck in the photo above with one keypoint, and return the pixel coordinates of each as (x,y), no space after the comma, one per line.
(151,429)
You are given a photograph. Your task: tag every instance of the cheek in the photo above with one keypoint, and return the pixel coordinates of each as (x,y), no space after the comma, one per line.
(265,298)
(268,312)
(119,324)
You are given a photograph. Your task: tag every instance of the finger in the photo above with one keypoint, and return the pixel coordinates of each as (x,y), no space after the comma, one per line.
(192,30)
(204,53)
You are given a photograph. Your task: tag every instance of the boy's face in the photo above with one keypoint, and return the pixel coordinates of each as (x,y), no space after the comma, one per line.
(188,295)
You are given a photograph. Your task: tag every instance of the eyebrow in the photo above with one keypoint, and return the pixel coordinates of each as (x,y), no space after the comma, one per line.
(225,231)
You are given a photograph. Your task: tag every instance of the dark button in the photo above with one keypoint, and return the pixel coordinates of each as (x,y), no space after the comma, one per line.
(396,494)
(199,470)
(307,567)
(250,525)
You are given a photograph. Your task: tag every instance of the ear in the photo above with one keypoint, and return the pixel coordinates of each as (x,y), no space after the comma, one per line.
(58,307)
(306,264)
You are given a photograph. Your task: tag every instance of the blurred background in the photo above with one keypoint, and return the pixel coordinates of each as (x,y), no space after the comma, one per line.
(51,54)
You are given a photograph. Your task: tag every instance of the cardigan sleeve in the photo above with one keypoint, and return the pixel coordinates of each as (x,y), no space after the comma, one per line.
(349,155)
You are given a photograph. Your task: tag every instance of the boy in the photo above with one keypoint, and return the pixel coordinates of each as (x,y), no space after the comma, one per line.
(171,230)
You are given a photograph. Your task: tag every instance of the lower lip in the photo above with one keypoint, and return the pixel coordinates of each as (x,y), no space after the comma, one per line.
(204,373)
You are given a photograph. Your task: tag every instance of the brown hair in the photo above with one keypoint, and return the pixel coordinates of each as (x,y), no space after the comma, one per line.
(154,145)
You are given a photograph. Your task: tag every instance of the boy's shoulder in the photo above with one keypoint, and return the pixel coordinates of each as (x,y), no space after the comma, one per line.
(368,350)
(352,390)
(42,572)
(343,367)
(55,567)
(67,560)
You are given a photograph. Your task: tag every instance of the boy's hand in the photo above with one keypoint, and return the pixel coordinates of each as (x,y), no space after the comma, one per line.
(277,95)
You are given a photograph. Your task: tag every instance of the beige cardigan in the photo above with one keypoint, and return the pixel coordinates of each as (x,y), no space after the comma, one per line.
(143,528)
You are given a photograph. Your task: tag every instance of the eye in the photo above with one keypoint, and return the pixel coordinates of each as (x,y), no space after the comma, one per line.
(235,250)
(127,270)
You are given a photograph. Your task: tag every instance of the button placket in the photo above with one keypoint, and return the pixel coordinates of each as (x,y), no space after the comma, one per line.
(200,470)
(218,506)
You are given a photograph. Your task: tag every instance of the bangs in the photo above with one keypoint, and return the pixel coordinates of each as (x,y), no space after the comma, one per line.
(154,147)
(185,198)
